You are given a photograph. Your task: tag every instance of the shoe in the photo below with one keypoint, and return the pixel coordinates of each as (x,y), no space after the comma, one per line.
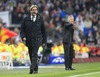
(31,71)
(69,69)
(35,72)
(66,68)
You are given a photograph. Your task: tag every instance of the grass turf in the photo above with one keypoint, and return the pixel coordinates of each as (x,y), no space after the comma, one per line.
(56,71)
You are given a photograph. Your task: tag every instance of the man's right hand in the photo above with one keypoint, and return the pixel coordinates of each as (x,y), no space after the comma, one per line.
(24,39)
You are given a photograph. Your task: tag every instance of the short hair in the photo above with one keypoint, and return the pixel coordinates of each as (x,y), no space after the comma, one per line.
(32,6)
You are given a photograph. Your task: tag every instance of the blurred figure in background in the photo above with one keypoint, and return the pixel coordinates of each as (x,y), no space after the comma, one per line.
(68,31)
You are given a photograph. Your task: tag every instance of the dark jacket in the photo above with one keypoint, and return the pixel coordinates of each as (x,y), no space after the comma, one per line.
(33,31)
(68,33)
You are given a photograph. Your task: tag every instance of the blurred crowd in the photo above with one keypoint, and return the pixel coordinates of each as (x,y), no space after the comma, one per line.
(55,12)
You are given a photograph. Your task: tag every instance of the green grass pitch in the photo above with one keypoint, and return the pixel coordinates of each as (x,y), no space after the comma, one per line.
(82,70)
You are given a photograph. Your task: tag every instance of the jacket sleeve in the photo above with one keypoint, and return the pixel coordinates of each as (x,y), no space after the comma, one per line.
(43,30)
(22,30)
(68,25)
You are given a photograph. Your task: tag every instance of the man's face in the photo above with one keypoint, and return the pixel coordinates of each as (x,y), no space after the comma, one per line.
(34,11)
(70,18)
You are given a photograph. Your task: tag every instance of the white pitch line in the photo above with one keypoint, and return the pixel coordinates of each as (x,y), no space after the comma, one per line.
(40,67)
(84,74)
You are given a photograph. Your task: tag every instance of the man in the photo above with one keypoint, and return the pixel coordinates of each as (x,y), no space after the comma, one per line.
(33,34)
(68,31)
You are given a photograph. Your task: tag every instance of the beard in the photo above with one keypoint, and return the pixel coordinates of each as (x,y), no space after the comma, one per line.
(34,13)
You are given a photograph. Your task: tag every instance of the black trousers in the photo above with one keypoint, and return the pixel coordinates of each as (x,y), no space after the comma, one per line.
(34,56)
(68,54)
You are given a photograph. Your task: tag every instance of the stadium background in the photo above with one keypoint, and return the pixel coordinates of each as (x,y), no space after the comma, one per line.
(54,12)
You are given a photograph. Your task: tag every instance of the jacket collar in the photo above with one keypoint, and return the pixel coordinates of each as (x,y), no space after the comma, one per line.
(29,17)
(34,17)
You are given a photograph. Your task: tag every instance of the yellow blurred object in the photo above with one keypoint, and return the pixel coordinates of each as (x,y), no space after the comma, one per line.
(40,49)
(85,49)
(55,50)
(76,47)
(61,49)
(2,48)
(13,50)
(7,48)
(20,49)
